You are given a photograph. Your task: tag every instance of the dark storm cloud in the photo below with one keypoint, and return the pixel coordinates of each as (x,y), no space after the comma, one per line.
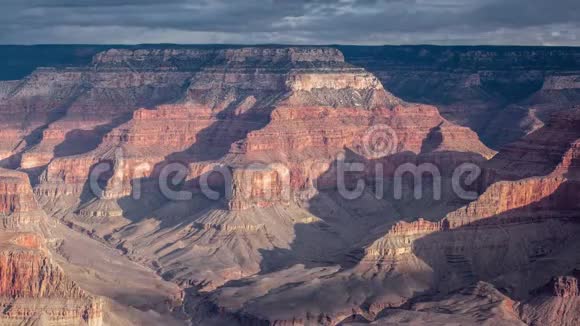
(519,13)
(290,21)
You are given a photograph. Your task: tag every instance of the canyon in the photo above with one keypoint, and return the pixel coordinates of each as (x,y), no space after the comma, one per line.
(275,185)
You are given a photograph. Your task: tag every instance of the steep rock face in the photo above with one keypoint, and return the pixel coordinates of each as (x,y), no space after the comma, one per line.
(260,187)
(526,215)
(307,140)
(533,179)
(565,287)
(184,59)
(539,172)
(18,207)
(221,108)
(75,106)
(527,212)
(501,93)
(36,100)
(32,287)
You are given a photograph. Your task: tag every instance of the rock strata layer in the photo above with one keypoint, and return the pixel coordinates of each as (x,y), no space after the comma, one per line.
(33,289)
(222,169)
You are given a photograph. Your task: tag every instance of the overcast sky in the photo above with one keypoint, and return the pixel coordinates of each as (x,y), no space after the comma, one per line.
(541,22)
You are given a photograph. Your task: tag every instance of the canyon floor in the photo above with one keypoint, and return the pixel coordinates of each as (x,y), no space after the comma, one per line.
(274,185)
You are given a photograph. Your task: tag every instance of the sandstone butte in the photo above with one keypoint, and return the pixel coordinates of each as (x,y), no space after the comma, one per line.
(280,246)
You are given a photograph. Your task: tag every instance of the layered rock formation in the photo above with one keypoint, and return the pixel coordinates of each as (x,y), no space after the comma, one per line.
(221,110)
(526,215)
(538,175)
(503,93)
(33,289)
(261,127)
(18,207)
(74,107)
(500,92)
(222,169)
(535,178)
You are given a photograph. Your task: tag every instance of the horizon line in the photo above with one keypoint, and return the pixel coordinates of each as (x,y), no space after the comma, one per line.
(296,45)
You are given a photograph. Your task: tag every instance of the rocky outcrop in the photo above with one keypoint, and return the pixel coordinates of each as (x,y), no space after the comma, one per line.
(535,177)
(556,303)
(69,109)
(33,287)
(260,187)
(539,173)
(18,207)
(231,94)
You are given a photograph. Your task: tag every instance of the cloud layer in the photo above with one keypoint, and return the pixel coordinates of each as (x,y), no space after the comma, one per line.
(540,22)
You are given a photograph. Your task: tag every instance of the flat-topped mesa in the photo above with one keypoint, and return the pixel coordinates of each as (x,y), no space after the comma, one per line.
(303,76)
(194,59)
(31,284)
(150,58)
(225,100)
(18,207)
(285,55)
(338,89)
(290,105)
